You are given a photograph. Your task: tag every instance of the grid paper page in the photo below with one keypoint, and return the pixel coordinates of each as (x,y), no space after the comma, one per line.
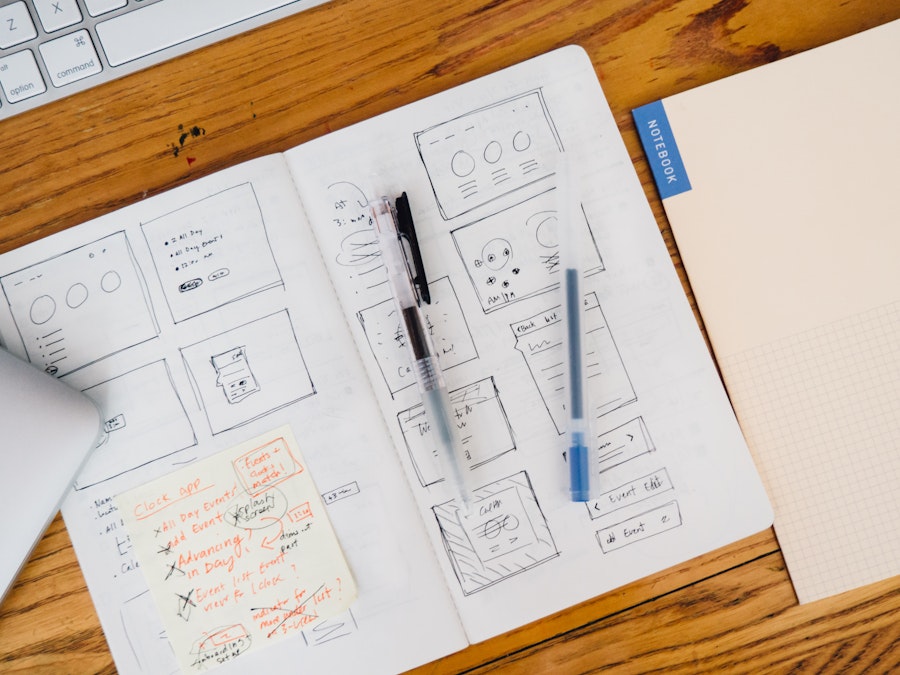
(821,413)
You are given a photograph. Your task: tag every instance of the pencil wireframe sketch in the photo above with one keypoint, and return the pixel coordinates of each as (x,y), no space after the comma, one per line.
(212,252)
(633,491)
(515,255)
(234,375)
(279,372)
(145,422)
(483,426)
(507,148)
(623,444)
(539,340)
(505,534)
(56,303)
(640,527)
(445,321)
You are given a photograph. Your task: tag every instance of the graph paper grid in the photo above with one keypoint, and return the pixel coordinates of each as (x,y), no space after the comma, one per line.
(821,414)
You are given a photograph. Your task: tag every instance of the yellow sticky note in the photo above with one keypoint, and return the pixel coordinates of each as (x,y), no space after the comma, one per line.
(238,551)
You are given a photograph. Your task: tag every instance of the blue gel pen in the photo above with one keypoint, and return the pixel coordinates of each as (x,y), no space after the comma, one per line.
(579,451)
(578,429)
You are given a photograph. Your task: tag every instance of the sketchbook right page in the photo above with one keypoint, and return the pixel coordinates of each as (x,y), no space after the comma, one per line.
(477,163)
(789,235)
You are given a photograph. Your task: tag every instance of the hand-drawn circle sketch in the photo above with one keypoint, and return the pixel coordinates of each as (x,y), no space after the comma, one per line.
(462,164)
(190,285)
(350,214)
(521,141)
(545,224)
(495,526)
(111,281)
(493,151)
(218,274)
(56,301)
(42,309)
(496,253)
(249,512)
(76,295)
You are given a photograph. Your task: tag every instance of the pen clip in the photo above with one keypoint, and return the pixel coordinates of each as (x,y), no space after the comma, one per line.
(406,230)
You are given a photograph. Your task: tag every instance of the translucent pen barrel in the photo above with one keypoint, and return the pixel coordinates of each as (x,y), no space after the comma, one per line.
(438,411)
(435,398)
(578,429)
(392,254)
(578,426)
(436,401)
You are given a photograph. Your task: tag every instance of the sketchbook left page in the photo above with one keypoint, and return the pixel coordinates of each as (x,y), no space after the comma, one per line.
(198,320)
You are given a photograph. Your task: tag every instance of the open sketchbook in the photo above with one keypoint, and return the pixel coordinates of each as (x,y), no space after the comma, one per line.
(254,298)
(781,191)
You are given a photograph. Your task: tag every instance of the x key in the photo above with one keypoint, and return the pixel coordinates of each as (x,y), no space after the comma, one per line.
(57,14)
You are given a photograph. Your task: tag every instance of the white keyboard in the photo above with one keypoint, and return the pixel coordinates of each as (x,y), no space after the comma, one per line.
(52,48)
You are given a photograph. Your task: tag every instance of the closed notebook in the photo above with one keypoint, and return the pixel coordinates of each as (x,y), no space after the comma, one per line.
(780,186)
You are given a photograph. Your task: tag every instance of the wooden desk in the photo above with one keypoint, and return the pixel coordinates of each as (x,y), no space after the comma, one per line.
(731,611)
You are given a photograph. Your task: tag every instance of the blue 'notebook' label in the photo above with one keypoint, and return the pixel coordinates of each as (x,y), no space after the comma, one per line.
(661,149)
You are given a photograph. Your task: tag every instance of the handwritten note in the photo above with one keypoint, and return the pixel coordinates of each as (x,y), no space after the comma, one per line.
(238,551)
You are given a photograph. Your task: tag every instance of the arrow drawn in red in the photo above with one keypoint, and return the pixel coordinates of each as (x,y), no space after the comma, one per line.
(266,541)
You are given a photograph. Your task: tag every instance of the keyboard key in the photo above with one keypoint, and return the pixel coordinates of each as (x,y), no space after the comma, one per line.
(160,29)
(98,7)
(16,26)
(70,58)
(167,23)
(20,77)
(57,14)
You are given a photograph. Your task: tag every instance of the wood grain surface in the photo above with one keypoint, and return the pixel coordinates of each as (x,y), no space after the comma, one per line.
(731,611)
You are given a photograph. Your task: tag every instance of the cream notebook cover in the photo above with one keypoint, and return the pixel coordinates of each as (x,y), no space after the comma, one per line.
(780,185)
